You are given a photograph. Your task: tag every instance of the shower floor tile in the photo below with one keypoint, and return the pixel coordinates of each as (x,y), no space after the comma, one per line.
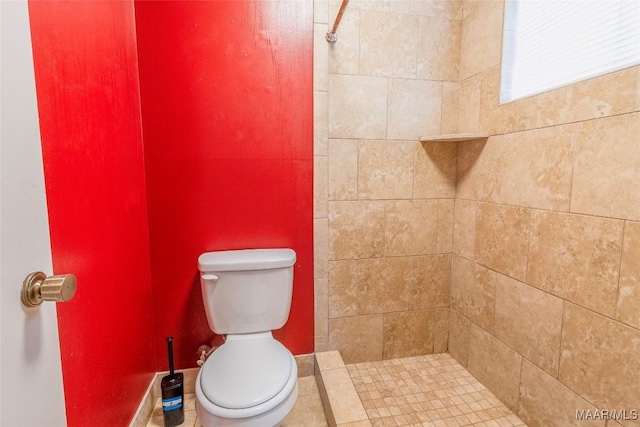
(430,390)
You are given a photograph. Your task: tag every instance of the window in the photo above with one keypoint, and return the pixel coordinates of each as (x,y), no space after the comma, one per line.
(548,44)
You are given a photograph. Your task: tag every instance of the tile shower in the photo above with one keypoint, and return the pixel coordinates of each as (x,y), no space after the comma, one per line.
(518,254)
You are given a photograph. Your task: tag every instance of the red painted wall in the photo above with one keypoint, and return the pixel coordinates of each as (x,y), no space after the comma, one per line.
(226,90)
(88,101)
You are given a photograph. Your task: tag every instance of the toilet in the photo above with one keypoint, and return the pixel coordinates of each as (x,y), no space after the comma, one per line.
(251,379)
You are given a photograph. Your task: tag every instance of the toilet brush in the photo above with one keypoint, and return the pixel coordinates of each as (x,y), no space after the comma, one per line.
(172,393)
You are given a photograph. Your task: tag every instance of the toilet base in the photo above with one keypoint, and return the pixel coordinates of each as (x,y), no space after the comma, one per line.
(270,418)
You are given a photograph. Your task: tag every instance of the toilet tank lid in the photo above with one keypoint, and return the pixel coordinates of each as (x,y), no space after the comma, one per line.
(246,259)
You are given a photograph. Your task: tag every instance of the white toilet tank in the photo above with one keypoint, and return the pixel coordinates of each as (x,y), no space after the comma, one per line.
(247,291)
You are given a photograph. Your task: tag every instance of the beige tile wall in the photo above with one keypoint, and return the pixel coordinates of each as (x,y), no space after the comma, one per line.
(546,252)
(519,254)
(384,203)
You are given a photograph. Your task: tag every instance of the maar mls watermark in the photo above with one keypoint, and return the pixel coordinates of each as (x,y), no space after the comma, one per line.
(607,414)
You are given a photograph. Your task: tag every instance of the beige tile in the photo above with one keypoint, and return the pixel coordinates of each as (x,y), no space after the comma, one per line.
(501,242)
(320,247)
(602,96)
(638,88)
(529,321)
(357,106)
(306,411)
(408,333)
(629,290)
(381,5)
(428,280)
(481,39)
(345,403)
(320,123)
(368,286)
(469,104)
(388,44)
(441,330)
(464,228)
(478,170)
(536,167)
(414,109)
(546,402)
(445,225)
(450,107)
(436,8)
(385,170)
(359,338)
(307,385)
(320,57)
(473,291)
(329,360)
(435,170)
(576,257)
(411,227)
(356,229)
(362,423)
(600,359)
(459,337)
(606,166)
(344,54)
(319,186)
(343,169)
(305,364)
(495,365)
(321,309)
(321,11)
(439,48)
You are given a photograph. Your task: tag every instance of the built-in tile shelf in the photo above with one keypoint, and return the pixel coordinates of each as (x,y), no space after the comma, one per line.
(454,137)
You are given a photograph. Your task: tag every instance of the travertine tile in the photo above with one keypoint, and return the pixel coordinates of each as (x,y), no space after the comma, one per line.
(361,110)
(473,291)
(388,44)
(607,159)
(450,107)
(411,227)
(381,5)
(356,229)
(459,337)
(345,403)
(501,242)
(344,55)
(321,311)
(600,359)
(362,423)
(368,286)
(445,225)
(319,186)
(464,228)
(359,338)
(469,104)
(638,88)
(414,109)
(602,96)
(343,169)
(478,170)
(428,281)
(320,57)
(321,11)
(438,48)
(329,360)
(320,247)
(576,257)
(320,123)
(385,170)
(435,170)
(441,330)
(629,290)
(529,321)
(481,39)
(495,365)
(544,401)
(305,364)
(408,333)
(436,8)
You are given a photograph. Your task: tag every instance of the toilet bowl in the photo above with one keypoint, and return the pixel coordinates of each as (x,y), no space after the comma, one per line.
(251,379)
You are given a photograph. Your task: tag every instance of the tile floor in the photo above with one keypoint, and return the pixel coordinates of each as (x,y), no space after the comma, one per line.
(430,390)
(307,411)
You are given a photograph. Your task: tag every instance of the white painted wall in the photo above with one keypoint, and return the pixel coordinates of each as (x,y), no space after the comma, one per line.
(31,392)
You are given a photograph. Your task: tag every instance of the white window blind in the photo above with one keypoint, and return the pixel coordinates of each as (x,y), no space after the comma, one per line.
(548,44)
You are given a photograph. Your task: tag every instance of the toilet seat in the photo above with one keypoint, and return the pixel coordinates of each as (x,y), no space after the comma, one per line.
(246,371)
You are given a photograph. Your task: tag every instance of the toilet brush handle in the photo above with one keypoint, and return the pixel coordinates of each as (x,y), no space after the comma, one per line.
(170,349)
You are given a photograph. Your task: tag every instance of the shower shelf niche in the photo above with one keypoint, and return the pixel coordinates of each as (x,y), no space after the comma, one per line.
(454,137)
